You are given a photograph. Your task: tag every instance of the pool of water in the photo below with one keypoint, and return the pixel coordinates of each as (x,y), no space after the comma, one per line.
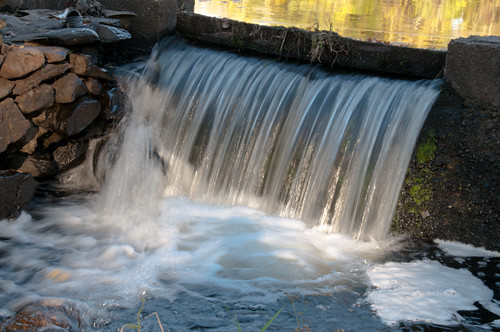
(209,267)
(422,24)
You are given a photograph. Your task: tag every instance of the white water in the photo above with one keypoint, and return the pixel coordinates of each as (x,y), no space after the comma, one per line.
(202,262)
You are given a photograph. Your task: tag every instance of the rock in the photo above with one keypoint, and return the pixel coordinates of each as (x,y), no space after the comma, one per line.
(94,87)
(154,19)
(39,167)
(110,34)
(49,314)
(122,16)
(71,119)
(70,155)
(472,68)
(46,73)
(5,88)
(36,99)
(54,54)
(17,191)
(21,61)
(82,65)
(13,125)
(69,88)
(116,102)
(72,36)
(30,147)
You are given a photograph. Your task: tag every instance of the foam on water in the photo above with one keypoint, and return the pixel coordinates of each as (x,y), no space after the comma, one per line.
(465,250)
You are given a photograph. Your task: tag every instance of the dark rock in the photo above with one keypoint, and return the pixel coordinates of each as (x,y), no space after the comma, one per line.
(123,16)
(69,88)
(13,125)
(71,119)
(69,155)
(154,19)
(54,54)
(5,88)
(30,146)
(36,99)
(17,191)
(472,68)
(46,73)
(94,87)
(49,314)
(21,61)
(39,167)
(62,37)
(116,102)
(110,34)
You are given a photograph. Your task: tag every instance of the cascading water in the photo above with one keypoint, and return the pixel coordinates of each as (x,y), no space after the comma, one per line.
(328,149)
(237,187)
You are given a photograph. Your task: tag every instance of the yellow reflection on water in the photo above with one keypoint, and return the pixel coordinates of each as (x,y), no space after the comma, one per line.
(418,23)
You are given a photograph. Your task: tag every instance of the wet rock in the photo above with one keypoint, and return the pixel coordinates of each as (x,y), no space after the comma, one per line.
(17,191)
(46,73)
(13,125)
(94,87)
(71,119)
(69,88)
(5,88)
(36,99)
(21,61)
(39,166)
(116,103)
(49,314)
(69,155)
(54,54)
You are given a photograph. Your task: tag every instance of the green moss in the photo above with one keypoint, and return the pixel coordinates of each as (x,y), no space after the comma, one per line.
(420,193)
(426,151)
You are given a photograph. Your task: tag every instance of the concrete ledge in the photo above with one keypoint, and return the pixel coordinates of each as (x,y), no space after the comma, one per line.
(473,69)
(317,47)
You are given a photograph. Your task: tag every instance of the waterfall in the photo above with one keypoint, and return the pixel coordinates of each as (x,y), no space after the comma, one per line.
(291,140)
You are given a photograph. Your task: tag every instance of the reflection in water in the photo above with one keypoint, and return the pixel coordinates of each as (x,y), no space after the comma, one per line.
(423,24)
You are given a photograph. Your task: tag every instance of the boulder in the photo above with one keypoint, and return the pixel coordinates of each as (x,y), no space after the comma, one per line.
(34,134)
(111,34)
(473,69)
(69,88)
(36,99)
(21,61)
(46,73)
(72,119)
(154,19)
(17,191)
(13,125)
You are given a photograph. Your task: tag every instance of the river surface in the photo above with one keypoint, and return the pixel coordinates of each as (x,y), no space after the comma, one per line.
(196,218)
(416,23)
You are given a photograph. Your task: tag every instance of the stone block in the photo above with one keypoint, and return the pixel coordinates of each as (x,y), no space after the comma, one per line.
(54,54)
(46,73)
(5,88)
(71,119)
(69,88)
(36,99)
(13,125)
(21,61)
(473,69)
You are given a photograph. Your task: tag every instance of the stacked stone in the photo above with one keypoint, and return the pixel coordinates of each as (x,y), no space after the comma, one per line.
(51,101)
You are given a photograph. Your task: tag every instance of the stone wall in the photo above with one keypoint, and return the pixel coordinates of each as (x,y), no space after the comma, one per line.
(52,101)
